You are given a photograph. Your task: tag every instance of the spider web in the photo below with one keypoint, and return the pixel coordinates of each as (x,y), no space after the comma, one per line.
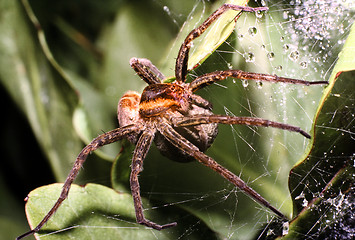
(296,39)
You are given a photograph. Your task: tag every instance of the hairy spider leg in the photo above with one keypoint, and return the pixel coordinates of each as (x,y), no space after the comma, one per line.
(146,70)
(139,155)
(212,77)
(251,121)
(183,55)
(177,140)
(103,139)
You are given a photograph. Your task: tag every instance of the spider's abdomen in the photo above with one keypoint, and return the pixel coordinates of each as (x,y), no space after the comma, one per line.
(127,112)
(158,98)
(202,136)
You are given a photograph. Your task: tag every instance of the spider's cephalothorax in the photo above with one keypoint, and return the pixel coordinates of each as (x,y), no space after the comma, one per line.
(166,102)
(180,122)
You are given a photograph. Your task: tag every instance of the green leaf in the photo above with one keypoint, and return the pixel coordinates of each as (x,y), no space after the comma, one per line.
(42,95)
(97,212)
(321,184)
(90,212)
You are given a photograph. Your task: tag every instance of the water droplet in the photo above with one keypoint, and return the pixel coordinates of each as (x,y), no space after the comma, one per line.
(245,83)
(259,14)
(278,68)
(304,65)
(282,39)
(285,15)
(249,57)
(259,84)
(230,66)
(286,47)
(241,36)
(271,55)
(252,31)
(294,55)
(166,9)
(285,228)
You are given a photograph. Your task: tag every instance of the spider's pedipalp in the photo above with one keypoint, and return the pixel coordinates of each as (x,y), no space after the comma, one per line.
(146,70)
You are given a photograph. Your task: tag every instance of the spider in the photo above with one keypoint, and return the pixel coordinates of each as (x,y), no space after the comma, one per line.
(180,122)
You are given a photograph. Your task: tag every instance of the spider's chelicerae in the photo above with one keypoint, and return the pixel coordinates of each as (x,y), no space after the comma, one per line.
(180,123)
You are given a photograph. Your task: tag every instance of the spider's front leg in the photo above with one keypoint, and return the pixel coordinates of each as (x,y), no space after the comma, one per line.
(139,155)
(222,119)
(209,78)
(103,139)
(183,55)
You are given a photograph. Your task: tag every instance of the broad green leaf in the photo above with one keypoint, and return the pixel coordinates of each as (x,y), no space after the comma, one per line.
(47,100)
(88,96)
(321,184)
(96,212)
(90,212)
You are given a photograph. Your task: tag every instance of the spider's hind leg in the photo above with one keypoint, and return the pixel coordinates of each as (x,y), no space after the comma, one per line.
(179,141)
(139,155)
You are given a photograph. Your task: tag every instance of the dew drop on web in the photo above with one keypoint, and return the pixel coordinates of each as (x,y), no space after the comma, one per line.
(270,55)
(252,31)
(249,57)
(294,55)
(245,83)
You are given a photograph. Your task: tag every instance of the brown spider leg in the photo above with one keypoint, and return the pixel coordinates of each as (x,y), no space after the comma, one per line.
(103,139)
(251,121)
(212,77)
(146,70)
(200,101)
(182,58)
(180,142)
(139,155)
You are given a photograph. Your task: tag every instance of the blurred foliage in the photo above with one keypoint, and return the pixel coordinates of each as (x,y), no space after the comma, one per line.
(66,64)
